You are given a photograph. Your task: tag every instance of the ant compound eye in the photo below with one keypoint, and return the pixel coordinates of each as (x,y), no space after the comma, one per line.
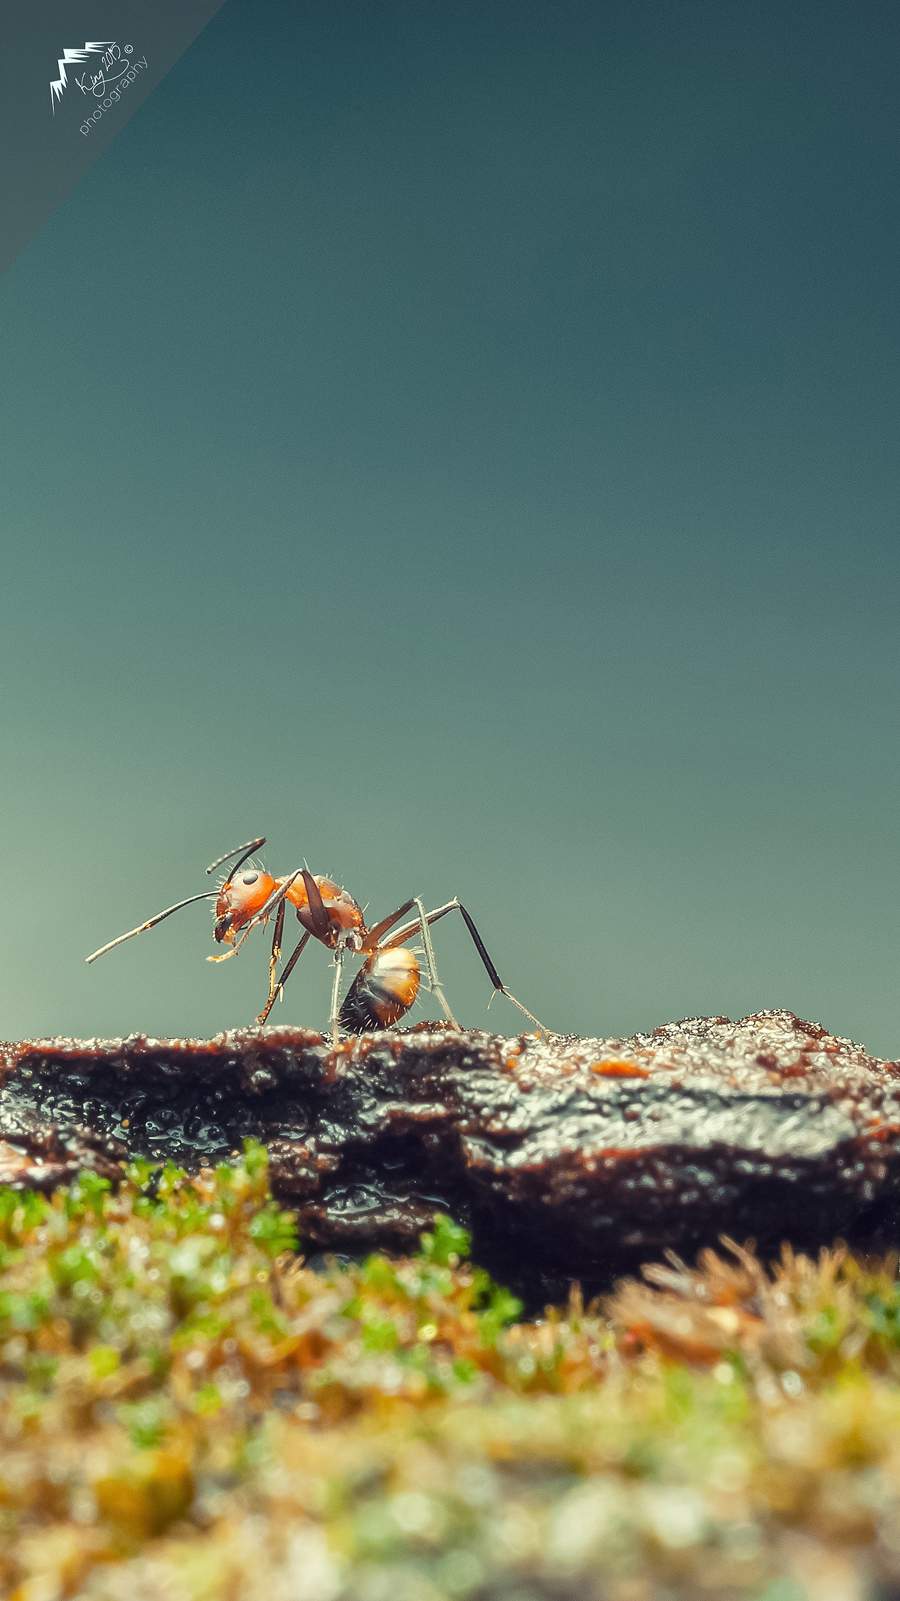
(249,878)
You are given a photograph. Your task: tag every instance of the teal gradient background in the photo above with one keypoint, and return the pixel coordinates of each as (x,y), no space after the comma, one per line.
(461,444)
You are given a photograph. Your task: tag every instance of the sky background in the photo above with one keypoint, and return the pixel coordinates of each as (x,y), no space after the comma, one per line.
(460,442)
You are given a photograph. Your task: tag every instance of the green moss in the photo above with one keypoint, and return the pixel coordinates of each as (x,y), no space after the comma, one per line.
(184,1406)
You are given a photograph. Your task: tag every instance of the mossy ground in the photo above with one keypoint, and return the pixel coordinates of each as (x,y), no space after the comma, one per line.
(187,1414)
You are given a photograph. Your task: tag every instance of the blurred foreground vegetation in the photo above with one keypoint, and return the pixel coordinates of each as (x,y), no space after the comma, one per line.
(188,1413)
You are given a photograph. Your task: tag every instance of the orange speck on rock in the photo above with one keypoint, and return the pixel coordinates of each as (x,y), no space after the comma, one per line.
(616,1069)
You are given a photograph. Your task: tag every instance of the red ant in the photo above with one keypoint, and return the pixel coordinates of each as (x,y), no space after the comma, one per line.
(385,986)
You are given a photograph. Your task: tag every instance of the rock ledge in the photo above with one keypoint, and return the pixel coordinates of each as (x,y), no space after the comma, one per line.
(567,1158)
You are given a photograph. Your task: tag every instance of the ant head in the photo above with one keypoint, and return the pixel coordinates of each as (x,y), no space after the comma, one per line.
(239,898)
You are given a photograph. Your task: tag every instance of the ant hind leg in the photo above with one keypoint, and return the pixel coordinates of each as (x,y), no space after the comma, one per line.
(434,982)
(424,922)
(492,973)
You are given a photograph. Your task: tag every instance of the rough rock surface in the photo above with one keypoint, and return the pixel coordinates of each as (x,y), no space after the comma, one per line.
(568,1158)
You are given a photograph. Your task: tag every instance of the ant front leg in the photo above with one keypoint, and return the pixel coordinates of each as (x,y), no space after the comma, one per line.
(275,957)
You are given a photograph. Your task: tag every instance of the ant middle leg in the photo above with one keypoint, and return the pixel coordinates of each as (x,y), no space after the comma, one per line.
(278,988)
(334,1020)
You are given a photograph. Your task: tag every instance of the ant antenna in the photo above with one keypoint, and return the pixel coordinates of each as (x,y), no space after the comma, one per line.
(151,924)
(247,850)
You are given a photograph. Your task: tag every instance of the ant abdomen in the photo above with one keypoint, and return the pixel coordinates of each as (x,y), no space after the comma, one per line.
(382,991)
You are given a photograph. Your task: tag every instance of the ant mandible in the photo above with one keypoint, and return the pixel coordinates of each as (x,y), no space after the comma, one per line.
(385,986)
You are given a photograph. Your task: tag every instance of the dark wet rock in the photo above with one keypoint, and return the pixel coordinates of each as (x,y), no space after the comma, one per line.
(48,1156)
(568,1158)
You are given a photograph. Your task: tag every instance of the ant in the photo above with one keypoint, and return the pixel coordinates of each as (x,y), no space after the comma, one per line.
(385,986)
